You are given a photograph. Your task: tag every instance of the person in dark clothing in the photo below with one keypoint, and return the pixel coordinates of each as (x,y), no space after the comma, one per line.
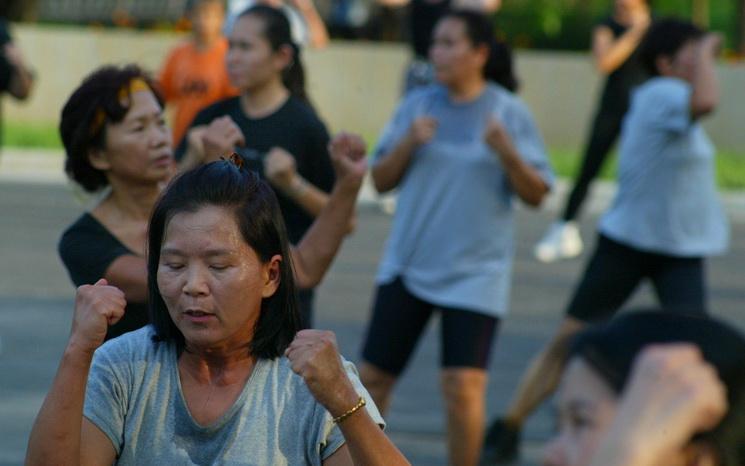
(272,123)
(615,44)
(116,141)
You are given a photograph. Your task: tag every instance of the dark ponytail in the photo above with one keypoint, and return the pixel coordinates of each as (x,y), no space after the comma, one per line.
(278,32)
(480,31)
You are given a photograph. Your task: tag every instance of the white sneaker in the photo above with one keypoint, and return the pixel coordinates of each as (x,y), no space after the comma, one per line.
(561,241)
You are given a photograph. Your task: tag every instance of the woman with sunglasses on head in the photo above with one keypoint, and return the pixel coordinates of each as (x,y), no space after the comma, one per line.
(271,122)
(459,151)
(117,144)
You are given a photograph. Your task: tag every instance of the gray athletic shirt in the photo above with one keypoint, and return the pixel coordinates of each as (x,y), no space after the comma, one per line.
(667,198)
(134,396)
(452,236)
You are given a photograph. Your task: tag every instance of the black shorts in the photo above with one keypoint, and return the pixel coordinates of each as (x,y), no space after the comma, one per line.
(615,270)
(398,319)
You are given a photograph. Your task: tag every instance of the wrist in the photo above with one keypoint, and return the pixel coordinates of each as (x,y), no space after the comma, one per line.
(78,351)
(344,400)
(297,187)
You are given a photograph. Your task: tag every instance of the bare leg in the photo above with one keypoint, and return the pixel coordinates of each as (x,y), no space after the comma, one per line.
(543,374)
(379,384)
(464,390)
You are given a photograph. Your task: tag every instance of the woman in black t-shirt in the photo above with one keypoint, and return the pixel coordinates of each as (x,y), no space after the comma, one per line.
(271,123)
(615,41)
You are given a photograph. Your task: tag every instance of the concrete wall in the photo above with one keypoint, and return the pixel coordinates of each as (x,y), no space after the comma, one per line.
(354,85)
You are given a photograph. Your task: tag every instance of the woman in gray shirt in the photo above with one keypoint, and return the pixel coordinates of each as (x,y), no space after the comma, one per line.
(457,151)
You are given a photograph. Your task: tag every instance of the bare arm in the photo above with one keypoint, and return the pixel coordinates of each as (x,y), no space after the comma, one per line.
(390,169)
(129,274)
(319,35)
(281,171)
(316,250)
(524,179)
(60,434)
(22,79)
(610,53)
(705,92)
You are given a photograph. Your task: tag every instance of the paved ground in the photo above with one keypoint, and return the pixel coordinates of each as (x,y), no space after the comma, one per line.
(36,298)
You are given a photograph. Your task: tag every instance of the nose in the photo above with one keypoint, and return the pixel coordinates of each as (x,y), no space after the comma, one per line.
(160,136)
(195,283)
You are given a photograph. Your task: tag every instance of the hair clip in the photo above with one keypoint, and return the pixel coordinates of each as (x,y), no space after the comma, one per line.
(235,159)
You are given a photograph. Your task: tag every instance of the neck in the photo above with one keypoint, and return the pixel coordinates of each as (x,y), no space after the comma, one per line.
(264,100)
(217,366)
(205,42)
(467,90)
(135,202)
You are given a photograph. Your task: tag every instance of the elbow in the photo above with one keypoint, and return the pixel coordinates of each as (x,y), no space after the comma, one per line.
(382,185)
(535,198)
(703,107)
(304,280)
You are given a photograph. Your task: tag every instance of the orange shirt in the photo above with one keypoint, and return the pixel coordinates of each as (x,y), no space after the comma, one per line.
(192,79)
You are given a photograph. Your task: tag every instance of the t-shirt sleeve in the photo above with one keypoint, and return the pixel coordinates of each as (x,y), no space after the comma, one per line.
(87,253)
(528,141)
(332,436)
(398,126)
(106,395)
(318,169)
(667,106)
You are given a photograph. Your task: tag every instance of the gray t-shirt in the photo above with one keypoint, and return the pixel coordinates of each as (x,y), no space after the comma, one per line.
(134,396)
(667,198)
(452,236)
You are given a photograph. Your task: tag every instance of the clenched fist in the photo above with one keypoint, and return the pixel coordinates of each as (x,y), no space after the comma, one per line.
(96,308)
(280,168)
(314,356)
(347,152)
(422,130)
(220,138)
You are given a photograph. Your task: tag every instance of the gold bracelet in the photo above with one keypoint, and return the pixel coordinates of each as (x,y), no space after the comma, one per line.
(355,408)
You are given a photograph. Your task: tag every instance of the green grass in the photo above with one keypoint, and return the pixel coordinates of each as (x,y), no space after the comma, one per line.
(730,165)
(32,135)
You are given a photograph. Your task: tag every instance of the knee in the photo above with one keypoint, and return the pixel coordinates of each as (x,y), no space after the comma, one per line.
(375,380)
(463,386)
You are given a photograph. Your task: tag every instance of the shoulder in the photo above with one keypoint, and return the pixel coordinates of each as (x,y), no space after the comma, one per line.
(137,345)
(229,106)
(511,103)
(302,114)
(660,90)
(85,228)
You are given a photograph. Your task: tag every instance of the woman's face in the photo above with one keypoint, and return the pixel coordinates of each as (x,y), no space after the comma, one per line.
(586,406)
(454,57)
(137,149)
(251,61)
(211,280)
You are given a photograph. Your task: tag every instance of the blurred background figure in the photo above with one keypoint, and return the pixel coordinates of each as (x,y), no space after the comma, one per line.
(194,74)
(615,42)
(16,78)
(271,123)
(461,151)
(306,24)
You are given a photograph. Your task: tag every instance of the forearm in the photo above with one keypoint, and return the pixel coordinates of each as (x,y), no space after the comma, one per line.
(21,83)
(619,50)
(319,36)
(367,443)
(306,195)
(315,252)
(705,92)
(524,179)
(55,437)
(389,170)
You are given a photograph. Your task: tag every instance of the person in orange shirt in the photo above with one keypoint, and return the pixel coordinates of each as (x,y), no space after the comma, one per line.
(194,75)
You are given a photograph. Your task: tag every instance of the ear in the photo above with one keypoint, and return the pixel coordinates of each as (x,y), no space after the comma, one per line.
(283,57)
(664,65)
(98,159)
(482,54)
(272,273)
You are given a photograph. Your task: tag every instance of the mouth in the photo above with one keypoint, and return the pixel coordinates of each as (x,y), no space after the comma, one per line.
(166,159)
(198,316)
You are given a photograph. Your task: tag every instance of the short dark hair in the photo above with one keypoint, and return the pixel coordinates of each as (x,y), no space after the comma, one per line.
(610,349)
(224,184)
(663,39)
(479,28)
(81,128)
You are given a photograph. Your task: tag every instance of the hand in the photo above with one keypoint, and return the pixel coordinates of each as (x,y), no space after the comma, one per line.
(348,152)
(314,356)
(280,169)
(672,395)
(711,44)
(496,136)
(96,307)
(220,138)
(13,55)
(422,130)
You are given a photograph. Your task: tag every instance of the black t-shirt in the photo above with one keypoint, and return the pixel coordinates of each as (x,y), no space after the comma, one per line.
(87,249)
(294,127)
(423,16)
(623,79)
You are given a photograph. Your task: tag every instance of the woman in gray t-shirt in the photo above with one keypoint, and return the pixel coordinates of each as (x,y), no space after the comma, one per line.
(458,152)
